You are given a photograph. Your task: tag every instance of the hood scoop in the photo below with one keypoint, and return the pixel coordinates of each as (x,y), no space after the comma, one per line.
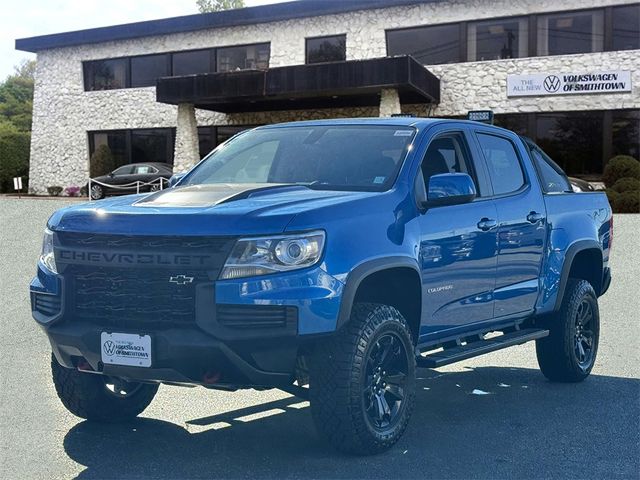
(203,195)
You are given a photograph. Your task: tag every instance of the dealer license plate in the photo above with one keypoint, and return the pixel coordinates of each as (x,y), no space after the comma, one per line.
(125,349)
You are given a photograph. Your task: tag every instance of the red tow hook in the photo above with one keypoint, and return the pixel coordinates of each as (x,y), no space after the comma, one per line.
(210,378)
(83,365)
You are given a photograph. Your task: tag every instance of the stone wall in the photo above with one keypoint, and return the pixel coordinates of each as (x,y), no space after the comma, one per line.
(63,112)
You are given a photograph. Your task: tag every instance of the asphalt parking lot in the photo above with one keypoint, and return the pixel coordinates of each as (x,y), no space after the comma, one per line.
(524,427)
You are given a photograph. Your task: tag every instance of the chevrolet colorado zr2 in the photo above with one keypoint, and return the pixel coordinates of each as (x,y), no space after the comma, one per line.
(329,259)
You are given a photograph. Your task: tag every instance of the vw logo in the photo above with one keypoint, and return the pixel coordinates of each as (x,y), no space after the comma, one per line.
(109,347)
(180,280)
(551,84)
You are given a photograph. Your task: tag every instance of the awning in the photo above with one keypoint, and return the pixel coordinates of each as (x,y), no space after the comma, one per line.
(324,85)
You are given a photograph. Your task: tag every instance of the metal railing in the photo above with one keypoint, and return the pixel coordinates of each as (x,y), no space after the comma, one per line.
(161,182)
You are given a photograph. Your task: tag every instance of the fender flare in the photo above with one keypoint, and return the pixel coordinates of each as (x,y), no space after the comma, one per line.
(572,251)
(362,271)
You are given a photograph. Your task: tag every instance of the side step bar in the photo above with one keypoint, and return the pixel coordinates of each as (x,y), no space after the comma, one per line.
(474,349)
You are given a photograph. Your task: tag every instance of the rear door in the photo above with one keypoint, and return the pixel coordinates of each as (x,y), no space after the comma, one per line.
(458,247)
(522,221)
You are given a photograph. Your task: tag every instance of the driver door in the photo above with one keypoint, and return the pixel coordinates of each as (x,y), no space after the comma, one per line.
(458,245)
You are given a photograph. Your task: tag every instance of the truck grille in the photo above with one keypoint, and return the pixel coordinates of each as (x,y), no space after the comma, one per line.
(148,294)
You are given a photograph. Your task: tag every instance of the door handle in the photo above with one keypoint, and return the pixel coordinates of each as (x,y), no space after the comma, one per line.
(534,217)
(487,224)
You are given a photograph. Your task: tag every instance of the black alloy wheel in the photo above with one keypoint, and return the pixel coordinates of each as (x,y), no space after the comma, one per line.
(386,375)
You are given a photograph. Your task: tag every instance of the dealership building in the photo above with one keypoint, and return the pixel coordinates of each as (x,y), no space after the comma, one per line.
(563,73)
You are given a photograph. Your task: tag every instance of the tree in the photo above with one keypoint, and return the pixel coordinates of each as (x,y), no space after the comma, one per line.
(206,6)
(16,96)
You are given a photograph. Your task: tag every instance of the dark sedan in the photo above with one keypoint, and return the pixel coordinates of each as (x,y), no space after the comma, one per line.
(124,180)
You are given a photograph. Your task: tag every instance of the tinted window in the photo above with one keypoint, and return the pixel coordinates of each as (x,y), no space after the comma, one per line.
(105,74)
(327,49)
(626,133)
(146,70)
(446,154)
(551,175)
(153,145)
(497,39)
(108,152)
(428,45)
(126,170)
(573,139)
(247,57)
(502,160)
(343,157)
(568,33)
(188,63)
(626,27)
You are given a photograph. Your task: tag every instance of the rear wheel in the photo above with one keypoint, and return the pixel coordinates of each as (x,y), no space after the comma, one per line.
(99,397)
(569,352)
(362,381)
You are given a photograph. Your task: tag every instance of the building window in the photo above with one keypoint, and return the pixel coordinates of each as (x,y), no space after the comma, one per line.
(152,145)
(108,151)
(430,45)
(626,133)
(210,137)
(105,74)
(193,61)
(573,139)
(571,32)
(326,49)
(247,57)
(497,39)
(145,70)
(111,149)
(517,123)
(626,27)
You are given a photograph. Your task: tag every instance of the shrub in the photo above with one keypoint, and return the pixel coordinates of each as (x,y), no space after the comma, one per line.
(72,191)
(14,158)
(628,202)
(54,190)
(102,162)
(625,184)
(618,167)
(613,196)
(84,191)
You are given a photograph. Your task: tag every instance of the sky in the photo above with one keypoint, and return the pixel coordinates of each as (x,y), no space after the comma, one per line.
(29,18)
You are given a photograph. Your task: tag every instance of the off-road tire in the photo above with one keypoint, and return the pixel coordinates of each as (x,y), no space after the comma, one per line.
(338,380)
(86,396)
(556,353)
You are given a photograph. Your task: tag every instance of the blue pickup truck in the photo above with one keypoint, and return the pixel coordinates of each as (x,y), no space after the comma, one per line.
(329,259)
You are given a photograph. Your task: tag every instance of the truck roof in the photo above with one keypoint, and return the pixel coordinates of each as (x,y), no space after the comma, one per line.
(418,122)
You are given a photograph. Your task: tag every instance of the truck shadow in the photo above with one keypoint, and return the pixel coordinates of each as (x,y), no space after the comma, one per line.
(486,422)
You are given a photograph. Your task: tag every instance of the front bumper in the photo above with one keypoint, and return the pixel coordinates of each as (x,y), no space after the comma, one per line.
(183,356)
(233,341)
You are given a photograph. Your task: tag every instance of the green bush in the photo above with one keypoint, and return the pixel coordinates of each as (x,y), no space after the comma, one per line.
(626,184)
(620,166)
(14,158)
(54,190)
(613,196)
(628,202)
(102,162)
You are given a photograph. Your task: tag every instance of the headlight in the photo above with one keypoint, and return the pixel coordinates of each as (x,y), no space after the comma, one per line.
(260,256)
(47,251)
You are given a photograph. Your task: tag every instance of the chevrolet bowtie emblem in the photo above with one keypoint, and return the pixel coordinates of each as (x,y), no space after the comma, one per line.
(180,279)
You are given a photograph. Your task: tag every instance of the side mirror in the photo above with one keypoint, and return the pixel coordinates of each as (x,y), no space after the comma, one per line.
(450,189)
(112,174)
(175,178)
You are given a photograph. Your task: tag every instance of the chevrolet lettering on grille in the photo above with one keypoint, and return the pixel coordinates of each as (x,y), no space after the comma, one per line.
(180,279)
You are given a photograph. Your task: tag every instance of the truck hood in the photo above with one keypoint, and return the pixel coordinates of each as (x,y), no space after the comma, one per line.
(221,209)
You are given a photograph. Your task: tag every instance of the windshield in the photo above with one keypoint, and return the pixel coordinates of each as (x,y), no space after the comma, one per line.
(341,157)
